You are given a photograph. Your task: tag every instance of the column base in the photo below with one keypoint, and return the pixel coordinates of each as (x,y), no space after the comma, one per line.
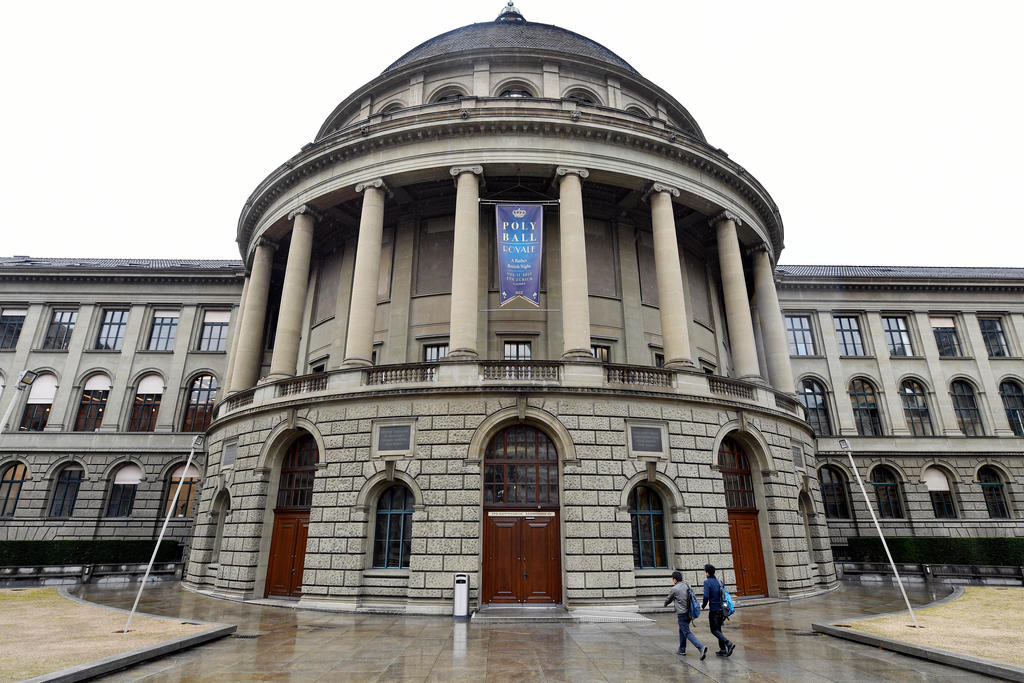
(276,376)
(462,354)
(355,363)
(579,355)
(754,379)
(680,364)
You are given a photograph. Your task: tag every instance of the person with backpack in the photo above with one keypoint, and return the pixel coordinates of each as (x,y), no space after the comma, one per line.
(687,609)
(716,599)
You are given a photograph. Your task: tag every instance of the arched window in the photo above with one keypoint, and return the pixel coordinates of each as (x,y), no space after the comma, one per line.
(123,490)
(938,489)
(189,496)
(995,493)
(93,403)
(40,398)
(298,470)
(915,408)
(581,96)
(865,408)
(833,493)
(1013,402)
(147,404)
(516,91)
(965,405)
(812,395)
(65,493)
(637,111)
(735,468)
(392,536)
(199,411)
(647,516)
(11,480)
(521,468)
(392,108)
(887,492)
(450,96)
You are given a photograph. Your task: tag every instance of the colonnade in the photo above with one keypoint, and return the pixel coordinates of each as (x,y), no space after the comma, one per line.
(247,351)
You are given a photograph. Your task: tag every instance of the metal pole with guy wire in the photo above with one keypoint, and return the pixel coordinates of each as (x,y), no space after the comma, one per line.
(196,444)
(845,445)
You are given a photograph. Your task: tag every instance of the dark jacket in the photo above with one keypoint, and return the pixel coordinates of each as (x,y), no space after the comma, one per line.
(712,594)
(680,593)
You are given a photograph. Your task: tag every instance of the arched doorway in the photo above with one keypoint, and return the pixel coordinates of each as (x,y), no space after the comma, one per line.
(522,550)
(291,519)
(744,531)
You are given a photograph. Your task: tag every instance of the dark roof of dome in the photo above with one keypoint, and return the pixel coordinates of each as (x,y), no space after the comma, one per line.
(519,34)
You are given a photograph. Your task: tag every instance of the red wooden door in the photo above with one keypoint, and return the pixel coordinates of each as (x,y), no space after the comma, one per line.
(502,578)
(521,558)
(746,553)
(287,554)
(542,576)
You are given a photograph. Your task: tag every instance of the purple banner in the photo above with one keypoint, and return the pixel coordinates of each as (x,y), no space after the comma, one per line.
(520,236)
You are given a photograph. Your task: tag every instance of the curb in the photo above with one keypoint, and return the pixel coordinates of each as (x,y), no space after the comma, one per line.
(976,664)
(123,660)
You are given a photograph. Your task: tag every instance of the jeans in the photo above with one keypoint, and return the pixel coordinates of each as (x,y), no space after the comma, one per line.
(686,634)
(717,618)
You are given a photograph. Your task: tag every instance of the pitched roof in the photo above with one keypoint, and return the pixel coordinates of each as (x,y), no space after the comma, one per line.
(900,272)
(32,262)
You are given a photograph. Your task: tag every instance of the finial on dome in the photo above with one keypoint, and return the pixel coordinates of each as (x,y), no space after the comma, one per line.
(510,13)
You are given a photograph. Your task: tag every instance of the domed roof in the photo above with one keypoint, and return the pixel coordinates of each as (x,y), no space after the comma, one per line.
(511,31)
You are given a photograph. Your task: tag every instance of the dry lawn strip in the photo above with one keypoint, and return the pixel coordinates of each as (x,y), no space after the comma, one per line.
(984,622)
(42,632)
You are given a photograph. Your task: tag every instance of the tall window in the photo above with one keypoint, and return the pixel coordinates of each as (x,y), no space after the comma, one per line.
(833,493)
(122,491)
(995,495)
(887,492)
(915,408)
(214,335)
(199,411)
(647,517)
(735,469)
(11,322)
(995,338)
(11,480)
(65,493)
(298,470)
(58,332)
(1013,402)
(946,337)
(897,336)
(940,494)
(965,405)
(165,328)
(93,403)
(146,406)
(800,335)
(812,395)
(865,408)
(517,350)
(659,360)
(112,330)
(521,468)
(189,496)
(434,352)
(392,534)
(602,352)
(848,335)
(40,398)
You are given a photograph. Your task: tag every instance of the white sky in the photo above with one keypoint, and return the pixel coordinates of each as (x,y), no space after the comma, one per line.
(888,132)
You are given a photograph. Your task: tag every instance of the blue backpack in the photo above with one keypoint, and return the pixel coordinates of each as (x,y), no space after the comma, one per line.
(694,605)
(727,605)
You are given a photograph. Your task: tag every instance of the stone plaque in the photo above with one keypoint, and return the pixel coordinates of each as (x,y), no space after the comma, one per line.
(393,438)
(646,439)
(230,451)
(798,455)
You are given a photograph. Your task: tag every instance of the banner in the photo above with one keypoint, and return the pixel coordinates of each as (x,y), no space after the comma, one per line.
(520,236)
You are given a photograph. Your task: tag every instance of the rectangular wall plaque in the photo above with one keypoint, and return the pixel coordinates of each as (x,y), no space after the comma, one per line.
(646,439)
(502,513)
(393,438)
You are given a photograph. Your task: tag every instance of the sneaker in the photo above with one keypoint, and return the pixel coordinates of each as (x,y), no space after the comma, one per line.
(703,653)
(732,646)
(681,651)
(722,653)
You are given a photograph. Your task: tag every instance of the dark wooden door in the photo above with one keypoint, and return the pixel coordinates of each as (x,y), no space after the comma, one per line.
(521,558)
(747,558)
(287,554)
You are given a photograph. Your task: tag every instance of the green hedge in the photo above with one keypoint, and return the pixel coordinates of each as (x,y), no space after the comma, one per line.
(25,553)
(936,550)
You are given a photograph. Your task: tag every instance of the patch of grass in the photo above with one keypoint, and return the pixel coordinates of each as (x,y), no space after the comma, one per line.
(984,622)
(42,632)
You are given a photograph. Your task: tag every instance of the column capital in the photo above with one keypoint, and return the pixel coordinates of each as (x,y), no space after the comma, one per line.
(563,171)
(307,210)
(267,243)
(377,183)
(662,187)
(456,171)
(725,216)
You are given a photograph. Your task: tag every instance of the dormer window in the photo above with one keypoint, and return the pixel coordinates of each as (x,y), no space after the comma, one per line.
(515,93)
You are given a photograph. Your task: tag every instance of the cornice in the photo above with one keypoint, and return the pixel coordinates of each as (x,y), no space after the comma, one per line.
(783,283)
(119,278)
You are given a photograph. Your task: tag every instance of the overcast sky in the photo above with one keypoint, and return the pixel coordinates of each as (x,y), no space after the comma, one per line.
(887,132)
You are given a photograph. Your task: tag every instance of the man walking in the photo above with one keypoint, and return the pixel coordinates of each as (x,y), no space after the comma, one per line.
(680,594)
(716,611)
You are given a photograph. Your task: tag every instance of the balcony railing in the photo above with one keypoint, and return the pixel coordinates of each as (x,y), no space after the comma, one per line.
(520,370)
(636,375)
(730,387)
(401,374)
(239,400)
(302,385)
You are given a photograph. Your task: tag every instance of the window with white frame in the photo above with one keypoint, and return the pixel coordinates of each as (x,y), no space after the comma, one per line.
(517,350)
(946,337)
(163,331)
(40,400)
(939,491)
(434,352)
(123,490)
(214,335)
(146,406)
(12,320)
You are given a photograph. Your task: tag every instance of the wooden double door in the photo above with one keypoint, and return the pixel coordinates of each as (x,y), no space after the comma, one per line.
(747,558)
(287,553)
(521,559)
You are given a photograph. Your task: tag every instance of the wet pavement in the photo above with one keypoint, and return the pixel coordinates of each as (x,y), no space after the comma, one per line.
(774,643)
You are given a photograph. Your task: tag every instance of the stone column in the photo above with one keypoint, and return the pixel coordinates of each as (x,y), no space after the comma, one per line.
(675,331)
(293,294)
(363,309)
(573,244)
(465,263)
(776,348)
(236,325)
(737,306)
(250,335)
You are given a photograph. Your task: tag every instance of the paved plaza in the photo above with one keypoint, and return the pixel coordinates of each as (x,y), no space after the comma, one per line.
(775,644)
